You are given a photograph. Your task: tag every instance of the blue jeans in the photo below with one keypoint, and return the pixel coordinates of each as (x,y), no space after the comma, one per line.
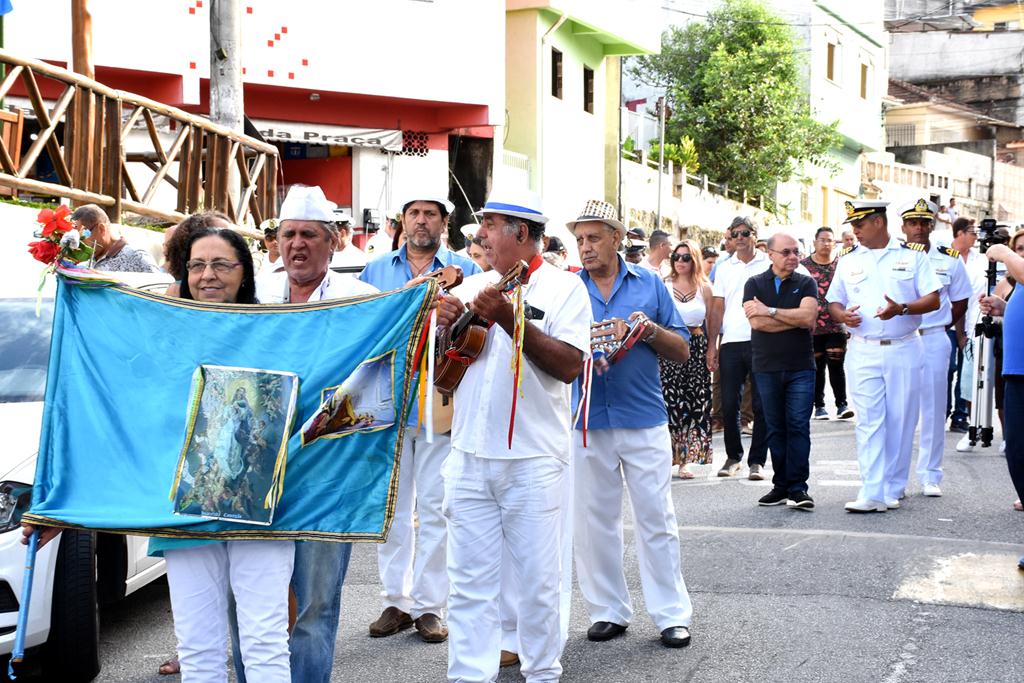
(787,399)
(734,364)
(319,572)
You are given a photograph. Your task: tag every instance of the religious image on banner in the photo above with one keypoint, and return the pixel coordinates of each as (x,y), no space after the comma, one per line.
(362,403)
(232,464)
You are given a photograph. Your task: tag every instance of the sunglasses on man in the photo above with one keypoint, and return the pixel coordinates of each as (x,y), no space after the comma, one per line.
(741,233)
(685,258)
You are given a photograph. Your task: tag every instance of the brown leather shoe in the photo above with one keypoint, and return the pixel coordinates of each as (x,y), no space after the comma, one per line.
(509,658)
(391,621)
(432,629)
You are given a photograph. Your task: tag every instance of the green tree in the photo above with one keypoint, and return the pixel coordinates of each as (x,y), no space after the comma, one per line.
(735,86)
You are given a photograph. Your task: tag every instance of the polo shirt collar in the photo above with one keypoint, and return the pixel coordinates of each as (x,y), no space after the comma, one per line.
(758,256)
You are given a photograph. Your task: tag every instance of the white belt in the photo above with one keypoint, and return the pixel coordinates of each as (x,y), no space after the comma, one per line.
(884,342)
(933,330)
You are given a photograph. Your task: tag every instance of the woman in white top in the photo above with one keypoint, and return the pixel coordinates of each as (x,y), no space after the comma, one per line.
(687,386)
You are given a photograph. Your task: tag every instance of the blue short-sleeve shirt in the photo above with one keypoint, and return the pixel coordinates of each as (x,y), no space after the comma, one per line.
(629,396)
(391,271)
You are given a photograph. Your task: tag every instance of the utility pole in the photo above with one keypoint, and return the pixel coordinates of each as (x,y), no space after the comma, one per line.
(227,104)
(81,39)
(661,156)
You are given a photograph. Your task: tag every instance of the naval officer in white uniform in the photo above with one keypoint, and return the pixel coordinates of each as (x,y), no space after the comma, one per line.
(880,291)
(918,223)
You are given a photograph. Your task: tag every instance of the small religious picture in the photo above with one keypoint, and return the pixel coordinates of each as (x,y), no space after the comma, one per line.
(362,403)
(231,464)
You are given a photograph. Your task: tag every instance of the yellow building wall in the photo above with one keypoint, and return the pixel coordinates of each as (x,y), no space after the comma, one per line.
(989,16)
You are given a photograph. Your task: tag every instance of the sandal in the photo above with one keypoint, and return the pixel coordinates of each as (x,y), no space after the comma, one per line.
(685,473)
(170,667)
(1018,506)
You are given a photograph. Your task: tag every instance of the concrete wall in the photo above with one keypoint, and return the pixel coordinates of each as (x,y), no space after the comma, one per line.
(942,56)
(906,9)
(1008,206)
(685,208)
(391,48)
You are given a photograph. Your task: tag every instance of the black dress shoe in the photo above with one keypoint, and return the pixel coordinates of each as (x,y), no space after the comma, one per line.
(604,630)
(675,636)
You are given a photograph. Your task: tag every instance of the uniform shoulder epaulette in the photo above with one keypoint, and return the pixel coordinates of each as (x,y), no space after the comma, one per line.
(844,251)
(914,245)
(949,251)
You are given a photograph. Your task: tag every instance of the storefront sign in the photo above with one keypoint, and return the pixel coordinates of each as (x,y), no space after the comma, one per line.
(320,134)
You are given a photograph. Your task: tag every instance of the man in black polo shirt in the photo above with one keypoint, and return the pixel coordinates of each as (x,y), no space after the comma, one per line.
(782,306)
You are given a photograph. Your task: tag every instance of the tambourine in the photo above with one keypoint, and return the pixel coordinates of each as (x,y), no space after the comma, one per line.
(613,350)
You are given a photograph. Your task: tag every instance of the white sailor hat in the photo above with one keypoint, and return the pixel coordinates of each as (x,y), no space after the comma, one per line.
(469,230)
(857,209)
(922,208)
(307,203)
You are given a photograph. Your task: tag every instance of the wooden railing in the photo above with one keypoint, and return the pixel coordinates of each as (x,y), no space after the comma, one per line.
(209,166)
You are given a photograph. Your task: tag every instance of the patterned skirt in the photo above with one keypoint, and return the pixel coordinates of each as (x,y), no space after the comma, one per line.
(687,389)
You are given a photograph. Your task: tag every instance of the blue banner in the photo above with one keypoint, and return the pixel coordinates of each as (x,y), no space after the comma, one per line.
(121,412)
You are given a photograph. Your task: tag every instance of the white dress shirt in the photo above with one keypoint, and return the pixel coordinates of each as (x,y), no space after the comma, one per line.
(865,276)
(351,255)
(274,288)
(730,277)
(956,286)
(483,401)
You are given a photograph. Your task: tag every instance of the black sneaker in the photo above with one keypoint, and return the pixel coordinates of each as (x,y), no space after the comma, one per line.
(959,427)
(800,501)
(843,412)
(773,497)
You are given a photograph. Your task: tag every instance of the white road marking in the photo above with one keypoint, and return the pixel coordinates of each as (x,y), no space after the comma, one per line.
(971,580)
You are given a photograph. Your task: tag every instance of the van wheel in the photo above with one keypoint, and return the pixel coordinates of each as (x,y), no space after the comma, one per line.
(72,651)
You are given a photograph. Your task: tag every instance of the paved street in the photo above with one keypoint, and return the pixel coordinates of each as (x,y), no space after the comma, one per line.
(926,593)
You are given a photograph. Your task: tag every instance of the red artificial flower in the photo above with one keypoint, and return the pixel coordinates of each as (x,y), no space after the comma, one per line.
(55,220)
(44,250)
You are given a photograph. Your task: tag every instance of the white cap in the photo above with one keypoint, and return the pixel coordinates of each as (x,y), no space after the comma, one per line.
(514,202)
(307,203)
(342,216)
(469,230)
(427,196)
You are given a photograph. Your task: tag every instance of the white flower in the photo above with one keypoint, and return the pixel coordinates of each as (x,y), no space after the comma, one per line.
(71,240)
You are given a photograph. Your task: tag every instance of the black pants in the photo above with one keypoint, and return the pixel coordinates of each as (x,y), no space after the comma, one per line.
(833,361)
(734,364)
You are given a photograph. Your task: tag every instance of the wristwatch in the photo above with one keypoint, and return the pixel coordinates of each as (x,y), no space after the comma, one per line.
(772,311)
(905,310)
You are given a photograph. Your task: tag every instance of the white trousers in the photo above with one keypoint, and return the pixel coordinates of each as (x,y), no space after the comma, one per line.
(934,388)
(510,589)
(257,573)
(642,458)
(503,511)
(884,385)
(412,567)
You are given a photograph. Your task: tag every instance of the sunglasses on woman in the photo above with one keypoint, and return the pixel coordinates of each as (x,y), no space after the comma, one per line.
(685,258)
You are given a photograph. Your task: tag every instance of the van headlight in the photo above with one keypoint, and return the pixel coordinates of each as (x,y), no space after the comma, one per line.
(15,499)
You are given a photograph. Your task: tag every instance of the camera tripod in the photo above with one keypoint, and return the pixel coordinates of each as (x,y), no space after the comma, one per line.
(983,396)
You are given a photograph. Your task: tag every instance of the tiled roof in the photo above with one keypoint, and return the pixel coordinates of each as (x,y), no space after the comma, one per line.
(908,93)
